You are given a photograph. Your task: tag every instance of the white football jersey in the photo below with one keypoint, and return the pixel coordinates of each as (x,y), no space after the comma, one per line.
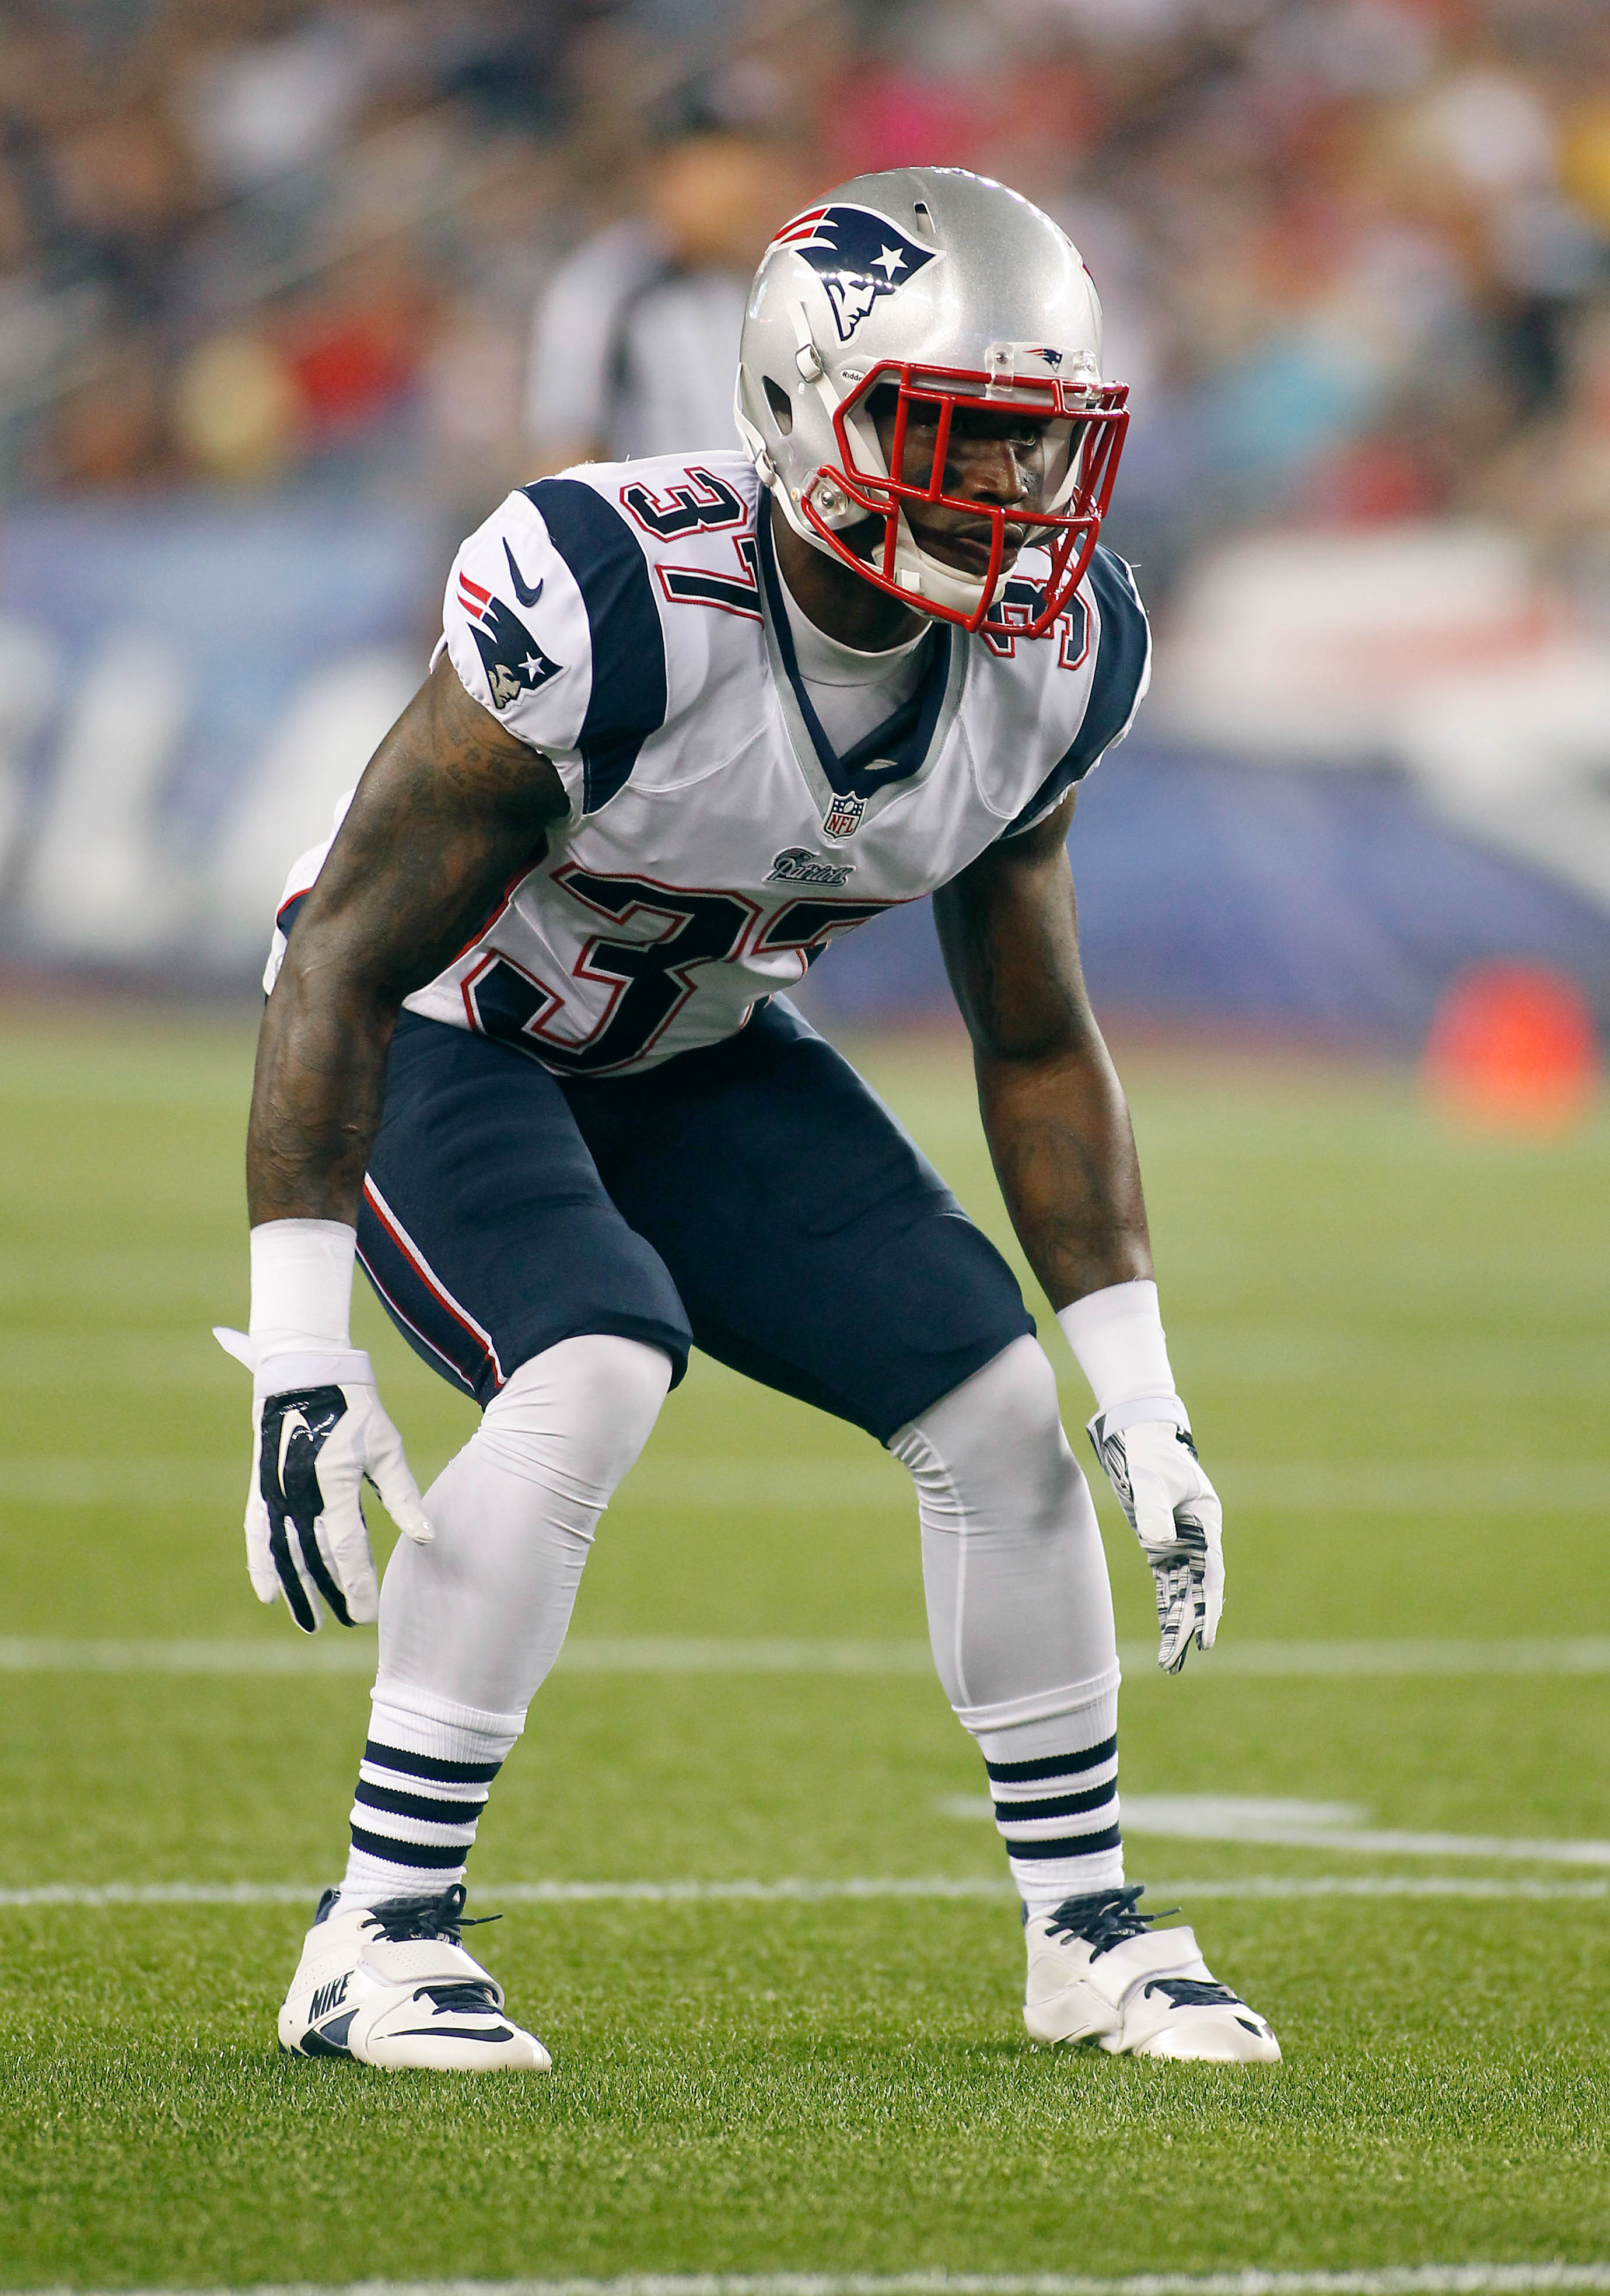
(626,619)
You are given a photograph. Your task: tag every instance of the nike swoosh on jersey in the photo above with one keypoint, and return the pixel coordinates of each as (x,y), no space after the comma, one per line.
(527,597)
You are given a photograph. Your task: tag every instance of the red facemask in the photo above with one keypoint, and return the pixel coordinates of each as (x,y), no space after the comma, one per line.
(1080,484)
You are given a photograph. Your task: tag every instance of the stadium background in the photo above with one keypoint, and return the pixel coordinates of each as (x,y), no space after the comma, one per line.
(269,273)
(267,278)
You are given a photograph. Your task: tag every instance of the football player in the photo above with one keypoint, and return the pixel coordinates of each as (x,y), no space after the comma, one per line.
(529,1055)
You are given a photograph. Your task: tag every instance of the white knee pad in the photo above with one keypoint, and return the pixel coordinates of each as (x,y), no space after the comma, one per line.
(478,1616)
(992,1453)
(575,1417)
(1019,1608)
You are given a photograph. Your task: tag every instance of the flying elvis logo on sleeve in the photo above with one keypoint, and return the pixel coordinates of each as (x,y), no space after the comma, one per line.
(514,663)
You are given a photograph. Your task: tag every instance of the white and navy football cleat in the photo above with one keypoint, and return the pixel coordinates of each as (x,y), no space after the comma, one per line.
(1099,1973)
(392,1985)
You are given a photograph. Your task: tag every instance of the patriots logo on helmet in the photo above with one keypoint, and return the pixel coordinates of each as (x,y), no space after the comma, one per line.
(859,255)
(514,663)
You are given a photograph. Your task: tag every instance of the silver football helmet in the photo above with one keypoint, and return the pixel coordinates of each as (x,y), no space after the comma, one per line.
(938,290)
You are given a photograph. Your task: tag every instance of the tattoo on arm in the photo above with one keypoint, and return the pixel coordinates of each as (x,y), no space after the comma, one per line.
(1053,1109)
(450,813)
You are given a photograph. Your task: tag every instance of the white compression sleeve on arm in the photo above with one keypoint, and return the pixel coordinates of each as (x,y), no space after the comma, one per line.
(1117,1336)
(302,1286)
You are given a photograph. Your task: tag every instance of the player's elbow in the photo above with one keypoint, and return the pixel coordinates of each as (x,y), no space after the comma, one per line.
(331,972)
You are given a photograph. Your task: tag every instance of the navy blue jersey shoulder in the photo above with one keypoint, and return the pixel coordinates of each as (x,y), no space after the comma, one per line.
(1121,661)
(628,699)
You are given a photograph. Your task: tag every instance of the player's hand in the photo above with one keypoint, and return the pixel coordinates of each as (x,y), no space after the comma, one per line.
(1174,1512)
(318,1430)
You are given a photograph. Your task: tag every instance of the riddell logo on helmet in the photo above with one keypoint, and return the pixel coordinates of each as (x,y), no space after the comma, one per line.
(859,255)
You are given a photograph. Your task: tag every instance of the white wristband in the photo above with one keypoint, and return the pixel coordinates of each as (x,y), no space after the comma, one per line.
(302,1286)
(1117,1335)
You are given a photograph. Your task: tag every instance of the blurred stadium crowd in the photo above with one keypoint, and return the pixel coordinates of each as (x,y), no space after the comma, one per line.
(292,293)
(1355,254)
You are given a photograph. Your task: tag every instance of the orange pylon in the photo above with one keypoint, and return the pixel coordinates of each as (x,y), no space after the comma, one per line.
(1513,1048)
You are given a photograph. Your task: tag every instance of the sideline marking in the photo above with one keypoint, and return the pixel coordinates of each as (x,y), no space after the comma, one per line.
(1391,2280)
(355,1653)
(810,1893)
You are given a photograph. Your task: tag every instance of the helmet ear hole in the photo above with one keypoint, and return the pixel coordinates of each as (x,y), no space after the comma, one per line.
(780,404)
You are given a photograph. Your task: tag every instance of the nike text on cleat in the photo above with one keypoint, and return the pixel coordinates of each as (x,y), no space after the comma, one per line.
(392,1985)
(1099,1973)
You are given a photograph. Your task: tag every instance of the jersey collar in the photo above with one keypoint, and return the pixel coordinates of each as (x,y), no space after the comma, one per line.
(900,750)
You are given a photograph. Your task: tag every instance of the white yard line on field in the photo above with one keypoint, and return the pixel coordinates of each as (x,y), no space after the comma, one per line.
(1389,2280)
(803,1891)
(354,1654)
(1533,1655)
(140,1359)
(1305,1486)
(1306,1825)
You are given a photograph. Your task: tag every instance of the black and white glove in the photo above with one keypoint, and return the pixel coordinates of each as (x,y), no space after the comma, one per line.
(1151,1461)
(319,1431)
(1143,1439)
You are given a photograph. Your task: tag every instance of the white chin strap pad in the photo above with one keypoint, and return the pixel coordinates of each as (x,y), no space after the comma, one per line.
(942,585)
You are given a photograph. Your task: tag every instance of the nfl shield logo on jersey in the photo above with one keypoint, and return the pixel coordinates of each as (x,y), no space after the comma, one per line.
(843,816)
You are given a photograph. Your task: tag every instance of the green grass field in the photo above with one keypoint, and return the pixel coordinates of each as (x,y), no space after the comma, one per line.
(1393,1341)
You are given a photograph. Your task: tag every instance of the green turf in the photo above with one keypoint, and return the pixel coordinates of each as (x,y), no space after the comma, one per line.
(1392,1339)
(798,2088)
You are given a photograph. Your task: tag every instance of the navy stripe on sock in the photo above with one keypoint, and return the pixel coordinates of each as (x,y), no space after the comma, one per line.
(1015,1813)
(1052,1765)
(427,1766)
(1080,1845)
(393,1852)
(426,1805)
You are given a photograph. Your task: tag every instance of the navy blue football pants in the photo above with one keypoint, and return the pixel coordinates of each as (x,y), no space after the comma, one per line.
(753,1197)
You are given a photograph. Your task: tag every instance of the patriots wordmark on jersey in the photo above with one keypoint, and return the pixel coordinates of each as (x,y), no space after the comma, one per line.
(626,619)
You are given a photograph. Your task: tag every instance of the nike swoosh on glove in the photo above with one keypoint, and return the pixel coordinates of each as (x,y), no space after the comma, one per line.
(319,1431)
(1173,1510)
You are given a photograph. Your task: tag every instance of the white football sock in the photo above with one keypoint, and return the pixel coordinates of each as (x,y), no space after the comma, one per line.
(470,1624)
(1020,1614)
(1054,1780)
(422,1786)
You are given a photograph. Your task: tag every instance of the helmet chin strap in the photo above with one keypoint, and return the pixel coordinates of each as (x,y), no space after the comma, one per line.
(813,372)
(946,586)
(921,576)
(796,517)
(931,579)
